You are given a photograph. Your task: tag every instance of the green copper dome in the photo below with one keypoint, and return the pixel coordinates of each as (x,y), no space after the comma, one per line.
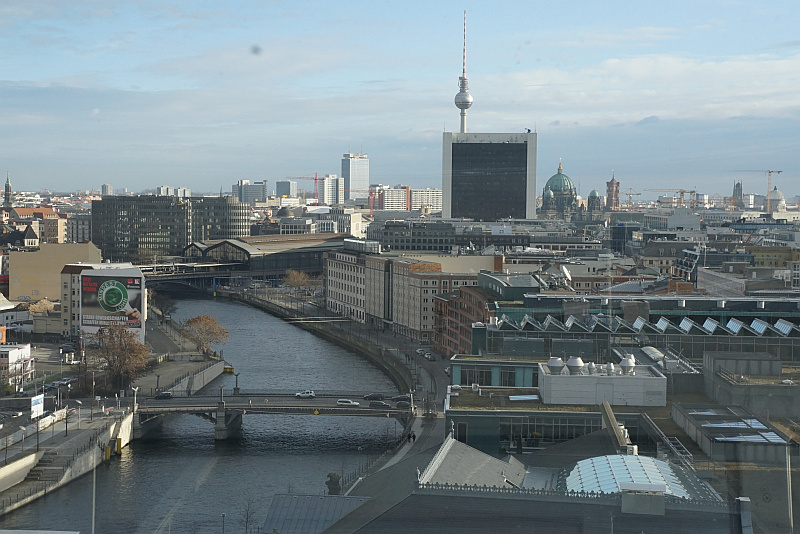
(547,191)
(561,183)
(594,194)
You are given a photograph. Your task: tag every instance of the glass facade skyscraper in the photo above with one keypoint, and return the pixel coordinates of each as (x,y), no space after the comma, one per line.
(488,177)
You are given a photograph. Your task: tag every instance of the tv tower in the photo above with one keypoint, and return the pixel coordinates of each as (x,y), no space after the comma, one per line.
(463,99)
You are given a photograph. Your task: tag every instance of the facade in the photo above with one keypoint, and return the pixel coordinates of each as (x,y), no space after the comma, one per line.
(139,228)
(33,275)
(107,190)
(168,191)
(488,177)
(17,366)
(390,198)
(286,188)
(612,194)
(355,173)
(331,190)
(298,225)
(79,228)
(416,235)
(427,198)
(250,193)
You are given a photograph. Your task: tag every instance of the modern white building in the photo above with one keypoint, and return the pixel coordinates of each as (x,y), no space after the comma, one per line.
(426,198)
(331,190)
(627,384)
(355,172)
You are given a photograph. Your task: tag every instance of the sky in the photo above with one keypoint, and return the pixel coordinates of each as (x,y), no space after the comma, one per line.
(201,94)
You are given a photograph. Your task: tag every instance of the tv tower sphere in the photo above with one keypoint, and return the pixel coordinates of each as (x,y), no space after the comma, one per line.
(463,99)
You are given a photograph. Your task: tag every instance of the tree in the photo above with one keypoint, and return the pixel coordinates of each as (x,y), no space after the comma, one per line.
(126,358)
(205,331)
(248,514)
(295,279)
(43,306)
(163,302)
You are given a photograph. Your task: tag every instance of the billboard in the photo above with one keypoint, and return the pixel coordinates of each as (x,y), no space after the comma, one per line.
(37,406)
(115,297)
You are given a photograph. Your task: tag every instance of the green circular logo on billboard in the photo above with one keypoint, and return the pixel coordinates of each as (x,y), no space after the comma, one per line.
(113,296)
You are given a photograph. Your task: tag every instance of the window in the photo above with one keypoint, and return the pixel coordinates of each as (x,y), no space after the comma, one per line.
(508,376)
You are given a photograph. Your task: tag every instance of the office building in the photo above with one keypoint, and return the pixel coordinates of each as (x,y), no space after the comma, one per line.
(488,177)
(107,189)
(286,188)
(140,228)
(250,193)
(331,190)
(355,172)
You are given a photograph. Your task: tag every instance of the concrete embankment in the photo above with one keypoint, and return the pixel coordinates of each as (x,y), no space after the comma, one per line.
(61,459)
(377,355)
(198,379)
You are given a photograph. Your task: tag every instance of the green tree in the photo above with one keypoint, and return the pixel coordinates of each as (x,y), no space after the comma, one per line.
(205,331)
(126,358)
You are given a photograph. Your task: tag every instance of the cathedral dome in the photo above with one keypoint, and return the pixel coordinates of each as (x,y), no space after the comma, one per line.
(561,183)
(776,201)
(594,194)
(548,192)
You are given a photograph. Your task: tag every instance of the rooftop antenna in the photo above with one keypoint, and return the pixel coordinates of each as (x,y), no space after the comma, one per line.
(463,99)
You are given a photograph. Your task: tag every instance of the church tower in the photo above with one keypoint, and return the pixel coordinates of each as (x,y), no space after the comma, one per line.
(7,194)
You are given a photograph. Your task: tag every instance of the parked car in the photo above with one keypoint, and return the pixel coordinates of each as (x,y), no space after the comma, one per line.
(307,394)
(164,395)
(347,402)
(404,397)
(420,351)
(403,404)
(447,371)
(374,397)
(379,404)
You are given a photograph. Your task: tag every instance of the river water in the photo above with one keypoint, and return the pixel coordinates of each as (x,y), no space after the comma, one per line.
(181,480)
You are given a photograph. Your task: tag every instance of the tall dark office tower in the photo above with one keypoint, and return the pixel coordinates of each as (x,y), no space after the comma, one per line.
(487,176)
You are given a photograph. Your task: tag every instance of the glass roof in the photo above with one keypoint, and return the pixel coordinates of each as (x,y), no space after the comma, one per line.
(606,473)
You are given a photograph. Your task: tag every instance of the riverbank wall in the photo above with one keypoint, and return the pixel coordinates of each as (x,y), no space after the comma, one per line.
(50,468)
(382,358)
(197,379)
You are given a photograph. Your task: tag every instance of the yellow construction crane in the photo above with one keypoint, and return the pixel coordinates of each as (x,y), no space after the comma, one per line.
(630,194)
(769,182)
(681,193)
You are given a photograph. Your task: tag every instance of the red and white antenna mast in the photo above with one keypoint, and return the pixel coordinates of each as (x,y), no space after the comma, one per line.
(463,99)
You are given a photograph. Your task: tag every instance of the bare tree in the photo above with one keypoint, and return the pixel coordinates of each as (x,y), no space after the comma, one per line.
(126,358)
(205,331)
(295,279)
(165,303)
(248,514)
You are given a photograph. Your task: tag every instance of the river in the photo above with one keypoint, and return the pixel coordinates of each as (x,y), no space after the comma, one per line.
(181,480)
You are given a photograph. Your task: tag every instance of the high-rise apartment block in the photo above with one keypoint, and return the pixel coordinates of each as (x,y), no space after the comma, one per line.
(355,172)
(286,188)
(244,191)
(167,191)
(427,198)
(331,190)
(107,189)
(138,228)
(489,176)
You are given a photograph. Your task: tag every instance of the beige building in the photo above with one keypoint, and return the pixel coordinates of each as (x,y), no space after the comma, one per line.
(35,275)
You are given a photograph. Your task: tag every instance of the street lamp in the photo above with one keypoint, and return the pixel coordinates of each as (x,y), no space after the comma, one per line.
(91,402)
(23,438)
(223,522)
(134,398)
(79,413)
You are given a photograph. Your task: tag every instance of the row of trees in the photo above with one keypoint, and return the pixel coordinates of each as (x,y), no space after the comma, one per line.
(126,358)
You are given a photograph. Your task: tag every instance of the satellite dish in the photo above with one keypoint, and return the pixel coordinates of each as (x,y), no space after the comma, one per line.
(566,273)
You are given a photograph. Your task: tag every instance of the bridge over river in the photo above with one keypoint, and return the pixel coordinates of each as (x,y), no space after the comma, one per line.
(226,412)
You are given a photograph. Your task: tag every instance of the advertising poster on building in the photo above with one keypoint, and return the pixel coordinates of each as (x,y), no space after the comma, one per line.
(37,406)
(112,299)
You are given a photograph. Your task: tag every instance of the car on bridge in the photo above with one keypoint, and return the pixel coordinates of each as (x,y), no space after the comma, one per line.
(374,397)
(307,394)
(403,404)
(347,402)
(164,395)
(379,404)
(404,397)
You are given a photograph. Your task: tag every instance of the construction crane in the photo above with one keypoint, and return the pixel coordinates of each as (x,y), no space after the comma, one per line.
(630,194)
(769,182)
(370,195)
(681,193)
(316,180)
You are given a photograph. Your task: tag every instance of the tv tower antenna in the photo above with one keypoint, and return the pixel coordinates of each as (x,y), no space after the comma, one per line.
(463,99)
